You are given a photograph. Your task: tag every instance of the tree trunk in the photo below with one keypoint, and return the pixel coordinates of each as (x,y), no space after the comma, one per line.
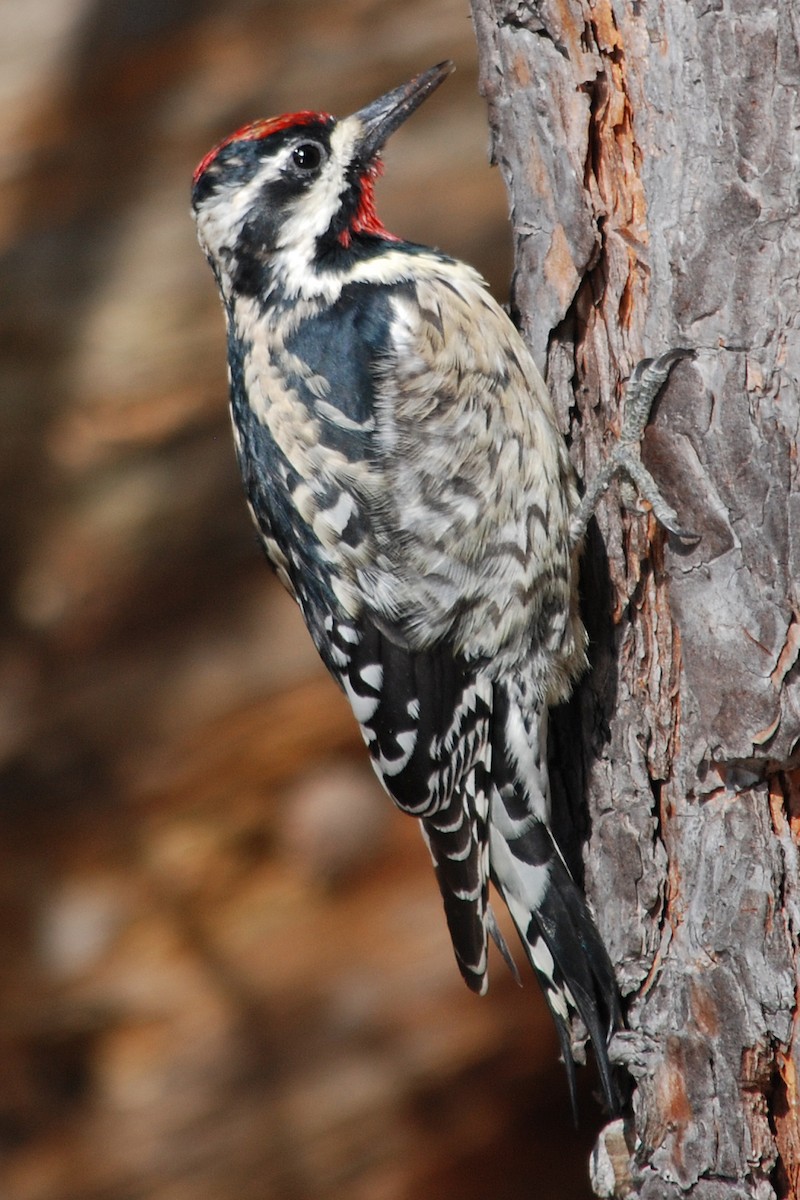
(650,152)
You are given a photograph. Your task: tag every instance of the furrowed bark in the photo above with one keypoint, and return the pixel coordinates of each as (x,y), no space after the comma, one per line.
(650,155)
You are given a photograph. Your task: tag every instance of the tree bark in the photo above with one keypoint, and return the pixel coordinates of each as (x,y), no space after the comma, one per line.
(650,152)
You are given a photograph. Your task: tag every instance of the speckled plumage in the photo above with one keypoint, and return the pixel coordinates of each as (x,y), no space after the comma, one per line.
(402,463)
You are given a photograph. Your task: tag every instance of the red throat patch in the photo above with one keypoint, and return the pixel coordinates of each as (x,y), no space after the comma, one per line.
(366,219)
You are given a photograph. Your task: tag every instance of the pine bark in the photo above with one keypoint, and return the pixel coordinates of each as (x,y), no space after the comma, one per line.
(650,152)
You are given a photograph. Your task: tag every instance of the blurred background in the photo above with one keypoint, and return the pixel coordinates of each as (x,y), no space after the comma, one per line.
(224,970)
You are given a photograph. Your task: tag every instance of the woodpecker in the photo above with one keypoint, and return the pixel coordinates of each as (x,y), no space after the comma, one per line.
(403,467)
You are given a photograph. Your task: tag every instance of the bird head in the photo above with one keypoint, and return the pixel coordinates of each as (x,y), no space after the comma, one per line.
(293,191)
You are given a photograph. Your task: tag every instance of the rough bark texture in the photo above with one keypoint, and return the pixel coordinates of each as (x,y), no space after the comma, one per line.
(651,154)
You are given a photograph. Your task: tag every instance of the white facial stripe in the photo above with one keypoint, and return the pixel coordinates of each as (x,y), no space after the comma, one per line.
(313,213)
(315,210)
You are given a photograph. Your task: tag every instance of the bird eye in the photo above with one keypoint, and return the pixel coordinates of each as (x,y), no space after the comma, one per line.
(307,156)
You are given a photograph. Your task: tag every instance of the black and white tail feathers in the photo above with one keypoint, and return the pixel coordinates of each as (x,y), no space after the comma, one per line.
(528,869)
(572,965)
(467,755)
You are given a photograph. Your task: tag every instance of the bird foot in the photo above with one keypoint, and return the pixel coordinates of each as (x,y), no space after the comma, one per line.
(645,383)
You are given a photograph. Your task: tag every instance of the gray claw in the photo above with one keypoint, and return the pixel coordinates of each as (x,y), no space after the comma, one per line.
(644,384)
(646,380)
(628,463)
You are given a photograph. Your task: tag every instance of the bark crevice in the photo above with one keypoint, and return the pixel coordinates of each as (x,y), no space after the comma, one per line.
(650,181)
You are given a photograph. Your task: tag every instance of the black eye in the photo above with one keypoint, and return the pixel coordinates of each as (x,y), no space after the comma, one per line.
(307,156)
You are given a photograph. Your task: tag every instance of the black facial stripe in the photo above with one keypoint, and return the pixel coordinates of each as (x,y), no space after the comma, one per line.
(238,161)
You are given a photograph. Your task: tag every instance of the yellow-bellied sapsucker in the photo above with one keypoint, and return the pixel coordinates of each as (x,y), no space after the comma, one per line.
(403,466)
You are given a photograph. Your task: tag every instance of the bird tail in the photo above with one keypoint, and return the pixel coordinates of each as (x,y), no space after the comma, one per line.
(528,869)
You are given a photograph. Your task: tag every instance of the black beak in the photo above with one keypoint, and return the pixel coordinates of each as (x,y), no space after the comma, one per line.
(380,118)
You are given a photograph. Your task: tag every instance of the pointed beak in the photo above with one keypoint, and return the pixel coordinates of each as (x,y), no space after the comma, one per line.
(380,118)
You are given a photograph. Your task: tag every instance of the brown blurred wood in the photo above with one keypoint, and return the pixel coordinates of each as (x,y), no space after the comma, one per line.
(649,153)
(260,745)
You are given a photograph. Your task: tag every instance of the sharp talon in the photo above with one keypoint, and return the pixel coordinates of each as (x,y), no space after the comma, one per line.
(691,539)
(657,368)
(670,357)
(638,371)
